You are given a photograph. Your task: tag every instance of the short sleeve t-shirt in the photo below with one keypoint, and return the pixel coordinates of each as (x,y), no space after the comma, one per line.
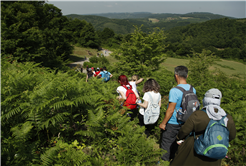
(122,89)
(134,86)
(102,73)
(96,73)
(175,96)
(155,97)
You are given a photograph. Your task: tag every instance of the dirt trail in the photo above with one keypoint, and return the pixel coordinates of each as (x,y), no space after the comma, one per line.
(74,64)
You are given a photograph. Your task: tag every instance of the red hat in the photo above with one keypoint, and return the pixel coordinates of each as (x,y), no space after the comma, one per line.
(92,68)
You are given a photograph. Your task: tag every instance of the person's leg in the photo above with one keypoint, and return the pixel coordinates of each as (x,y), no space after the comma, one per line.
(140,118)
(168,138)
(141,123)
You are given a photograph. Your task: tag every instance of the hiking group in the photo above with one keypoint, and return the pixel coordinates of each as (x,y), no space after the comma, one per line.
(189,135)
(99,73)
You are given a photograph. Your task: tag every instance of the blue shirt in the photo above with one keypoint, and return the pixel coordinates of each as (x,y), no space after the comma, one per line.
(175,96)
(102,73)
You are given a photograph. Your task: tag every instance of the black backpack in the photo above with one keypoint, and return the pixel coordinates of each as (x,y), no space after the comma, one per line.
(189,104)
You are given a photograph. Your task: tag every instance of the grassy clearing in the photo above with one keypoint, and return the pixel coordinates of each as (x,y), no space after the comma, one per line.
(171,63)
(231,67)
(226,66)
(111,59)
(80,53)
(153,20)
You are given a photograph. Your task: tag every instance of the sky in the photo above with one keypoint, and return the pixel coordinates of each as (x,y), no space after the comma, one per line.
(235,9)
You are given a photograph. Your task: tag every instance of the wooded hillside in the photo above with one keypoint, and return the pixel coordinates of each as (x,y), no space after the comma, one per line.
(225,37)
(123,22)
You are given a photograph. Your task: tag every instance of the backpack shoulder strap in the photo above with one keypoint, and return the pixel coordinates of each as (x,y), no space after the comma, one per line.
(222,121)
(191,88)
(159,99)
(150,97)
(180,88)
(183,90)
(125,87)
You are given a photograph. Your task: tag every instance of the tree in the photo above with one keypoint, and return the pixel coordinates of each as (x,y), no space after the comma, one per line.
(75,26)
(88,37)
(142,54)
(107,33)
(34,31)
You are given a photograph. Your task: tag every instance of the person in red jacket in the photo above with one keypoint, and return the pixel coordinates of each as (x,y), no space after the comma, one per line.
(97,72)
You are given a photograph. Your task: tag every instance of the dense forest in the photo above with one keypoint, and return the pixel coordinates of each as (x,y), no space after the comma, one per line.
(51,116)
(225,37)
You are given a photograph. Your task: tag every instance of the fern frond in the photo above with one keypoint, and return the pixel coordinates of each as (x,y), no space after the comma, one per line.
(61,104)
(22,131)
(57,118)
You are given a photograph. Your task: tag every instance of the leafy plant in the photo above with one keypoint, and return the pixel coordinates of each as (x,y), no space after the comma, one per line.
(142,54)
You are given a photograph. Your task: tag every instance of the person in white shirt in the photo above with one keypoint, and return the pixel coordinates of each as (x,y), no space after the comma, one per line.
(153,88)
(134,81)
(122,93)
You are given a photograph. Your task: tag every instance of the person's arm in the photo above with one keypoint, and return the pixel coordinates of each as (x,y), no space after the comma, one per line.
(98,74)
(168,115)
(136,94)
(231,127)
(160,103)
(111,75)
(87,78)
(123,96)
(144,104)
(138,81)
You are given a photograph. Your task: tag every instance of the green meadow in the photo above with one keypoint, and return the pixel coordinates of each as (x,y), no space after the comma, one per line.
(227,66)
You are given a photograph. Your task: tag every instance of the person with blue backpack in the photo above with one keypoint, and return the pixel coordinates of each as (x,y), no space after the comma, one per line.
(206,134)
(105,75)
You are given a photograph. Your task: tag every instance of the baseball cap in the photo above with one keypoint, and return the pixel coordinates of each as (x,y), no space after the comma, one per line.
(92,68)
(98,68)
(213,93)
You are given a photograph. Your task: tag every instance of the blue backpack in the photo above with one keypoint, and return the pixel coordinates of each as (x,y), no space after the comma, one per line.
(214,142)
(152,112)
(106,76)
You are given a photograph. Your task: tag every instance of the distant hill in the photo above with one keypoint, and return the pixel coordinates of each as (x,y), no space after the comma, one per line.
(123,23)
(225,37)
(205,15)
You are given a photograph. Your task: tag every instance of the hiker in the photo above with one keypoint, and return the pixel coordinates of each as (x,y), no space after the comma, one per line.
(87,68)
(105,74)
(97,72)
(89,74)
(134,81)
(93,70)
(198,122)
(122,90)
(151,89)
(170,125)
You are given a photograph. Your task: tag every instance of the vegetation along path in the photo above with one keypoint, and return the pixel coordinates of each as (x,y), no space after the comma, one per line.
(81,62)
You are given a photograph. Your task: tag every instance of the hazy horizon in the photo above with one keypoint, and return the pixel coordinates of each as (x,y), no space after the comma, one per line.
(234,9)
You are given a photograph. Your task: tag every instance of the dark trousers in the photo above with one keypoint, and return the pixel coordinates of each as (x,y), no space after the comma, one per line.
(148,128)
(168,141)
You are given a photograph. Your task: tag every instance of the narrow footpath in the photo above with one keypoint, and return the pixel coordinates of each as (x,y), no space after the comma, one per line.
(74,64)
